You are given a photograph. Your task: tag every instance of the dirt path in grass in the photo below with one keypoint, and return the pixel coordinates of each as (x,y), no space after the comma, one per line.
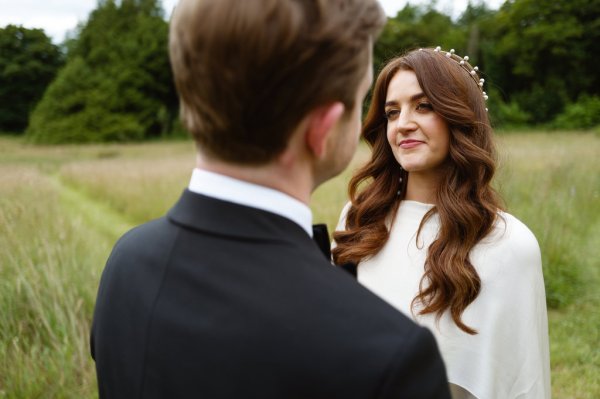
(96,214)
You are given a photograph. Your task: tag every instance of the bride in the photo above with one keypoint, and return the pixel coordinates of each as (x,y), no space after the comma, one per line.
(426,232)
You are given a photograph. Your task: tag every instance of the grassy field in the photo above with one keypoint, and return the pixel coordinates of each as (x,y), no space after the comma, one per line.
(62,208)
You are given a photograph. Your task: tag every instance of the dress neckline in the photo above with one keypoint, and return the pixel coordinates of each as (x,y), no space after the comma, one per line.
(416,205)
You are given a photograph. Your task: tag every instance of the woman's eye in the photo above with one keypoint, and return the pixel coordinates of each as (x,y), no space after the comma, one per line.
(391,114)
(425,106)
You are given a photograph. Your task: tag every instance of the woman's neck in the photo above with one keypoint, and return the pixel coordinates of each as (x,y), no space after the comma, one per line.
(422,187)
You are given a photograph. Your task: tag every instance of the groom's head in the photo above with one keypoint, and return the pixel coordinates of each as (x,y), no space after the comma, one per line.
(249,71)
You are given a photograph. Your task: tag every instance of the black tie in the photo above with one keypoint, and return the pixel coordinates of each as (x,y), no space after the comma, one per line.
(321,237)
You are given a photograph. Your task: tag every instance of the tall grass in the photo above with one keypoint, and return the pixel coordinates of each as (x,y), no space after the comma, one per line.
(48,278)
(138,189)
(552,183)
(62,208)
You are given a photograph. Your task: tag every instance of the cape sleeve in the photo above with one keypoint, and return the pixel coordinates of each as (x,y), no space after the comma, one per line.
(509,357)
(342,220)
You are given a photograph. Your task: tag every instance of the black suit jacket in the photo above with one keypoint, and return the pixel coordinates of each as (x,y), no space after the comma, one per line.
(218,300)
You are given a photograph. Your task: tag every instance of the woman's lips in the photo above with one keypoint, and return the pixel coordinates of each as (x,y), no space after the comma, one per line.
(410,143)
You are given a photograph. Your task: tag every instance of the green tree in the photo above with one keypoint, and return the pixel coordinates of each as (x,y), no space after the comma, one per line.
(118,79)
(423,26)
(28,62)
(471,26)
(413,27)
(83,113)
(545,53)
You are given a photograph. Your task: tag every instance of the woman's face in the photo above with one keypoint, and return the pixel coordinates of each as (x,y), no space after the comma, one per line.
(419,138)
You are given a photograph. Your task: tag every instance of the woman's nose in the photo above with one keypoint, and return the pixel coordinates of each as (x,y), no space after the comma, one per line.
(405,123)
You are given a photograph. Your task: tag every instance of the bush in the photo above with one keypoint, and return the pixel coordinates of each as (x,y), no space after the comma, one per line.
(506,115)
(76,110)
(583,114)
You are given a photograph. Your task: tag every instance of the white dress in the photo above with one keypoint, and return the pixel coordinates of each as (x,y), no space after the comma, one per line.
(509,357)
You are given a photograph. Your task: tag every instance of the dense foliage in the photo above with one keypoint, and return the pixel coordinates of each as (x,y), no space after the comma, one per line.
(117,83)
(539,59)
(28,63)
(545,53)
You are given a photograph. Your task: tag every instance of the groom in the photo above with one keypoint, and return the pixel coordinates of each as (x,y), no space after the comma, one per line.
(227,296)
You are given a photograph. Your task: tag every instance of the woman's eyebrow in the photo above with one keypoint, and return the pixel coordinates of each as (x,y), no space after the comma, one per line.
(412,99)
(417,96)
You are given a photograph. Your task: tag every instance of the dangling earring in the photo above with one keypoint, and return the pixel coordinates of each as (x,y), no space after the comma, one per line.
(400,180)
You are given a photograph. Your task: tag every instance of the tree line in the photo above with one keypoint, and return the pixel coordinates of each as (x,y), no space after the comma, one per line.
(111,81)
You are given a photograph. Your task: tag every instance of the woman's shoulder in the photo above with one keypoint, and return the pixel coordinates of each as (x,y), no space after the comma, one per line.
(508,231)
(511,246)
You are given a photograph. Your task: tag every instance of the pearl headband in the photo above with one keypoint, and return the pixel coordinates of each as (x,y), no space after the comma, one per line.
(463,62)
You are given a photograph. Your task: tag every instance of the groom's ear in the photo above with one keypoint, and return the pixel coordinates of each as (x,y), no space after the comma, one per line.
(321,122)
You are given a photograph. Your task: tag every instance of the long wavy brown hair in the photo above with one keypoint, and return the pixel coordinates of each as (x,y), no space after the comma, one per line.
(466,203)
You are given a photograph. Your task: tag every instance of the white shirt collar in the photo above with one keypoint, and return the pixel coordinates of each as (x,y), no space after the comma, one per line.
(244,193)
